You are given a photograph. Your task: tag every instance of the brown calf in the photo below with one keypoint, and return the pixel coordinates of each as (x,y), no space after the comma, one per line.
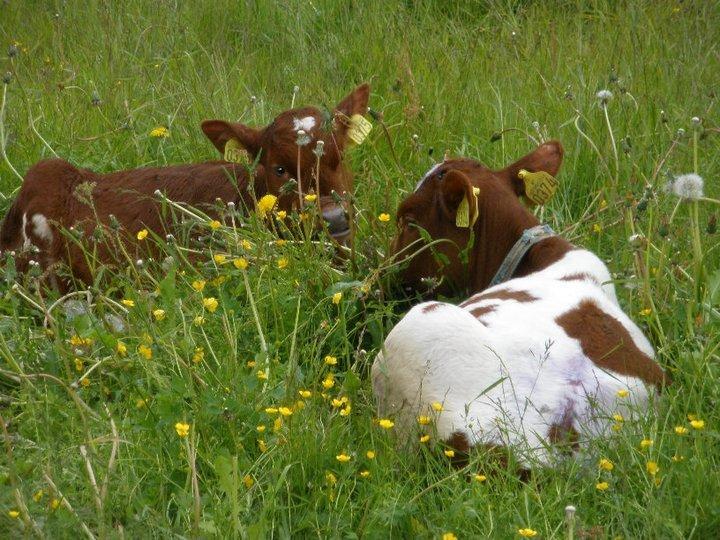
(57,196)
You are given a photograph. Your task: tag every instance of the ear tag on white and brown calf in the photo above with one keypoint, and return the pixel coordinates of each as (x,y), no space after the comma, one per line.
(540,186)
(358,129)
(462,217)
(235,153)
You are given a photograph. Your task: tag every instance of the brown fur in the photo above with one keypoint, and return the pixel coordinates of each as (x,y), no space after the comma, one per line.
(501,294)
(608,344)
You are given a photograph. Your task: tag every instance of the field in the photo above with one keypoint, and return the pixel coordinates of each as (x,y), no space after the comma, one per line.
(119,420)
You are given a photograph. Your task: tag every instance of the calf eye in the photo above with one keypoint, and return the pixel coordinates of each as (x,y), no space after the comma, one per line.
(440,174)
(279,171)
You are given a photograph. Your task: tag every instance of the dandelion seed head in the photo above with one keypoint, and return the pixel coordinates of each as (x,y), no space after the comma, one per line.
(603,97)
(688,186)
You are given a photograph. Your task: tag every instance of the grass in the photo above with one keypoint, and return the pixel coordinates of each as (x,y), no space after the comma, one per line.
(90,83)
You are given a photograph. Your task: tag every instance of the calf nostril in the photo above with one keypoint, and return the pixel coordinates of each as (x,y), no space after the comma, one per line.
(337,221)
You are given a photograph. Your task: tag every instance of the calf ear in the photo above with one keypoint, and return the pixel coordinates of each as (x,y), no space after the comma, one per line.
(220,132)
(356,102)
(546,157)
(459,199)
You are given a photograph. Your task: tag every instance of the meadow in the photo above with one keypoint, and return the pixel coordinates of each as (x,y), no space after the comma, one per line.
(145,409)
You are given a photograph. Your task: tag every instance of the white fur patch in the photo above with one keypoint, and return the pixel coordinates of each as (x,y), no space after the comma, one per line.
(26,238)
(41,228)
(427,175)
(306,123)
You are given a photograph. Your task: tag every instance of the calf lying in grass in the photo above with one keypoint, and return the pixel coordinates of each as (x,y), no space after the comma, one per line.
(541,359)
(56,196)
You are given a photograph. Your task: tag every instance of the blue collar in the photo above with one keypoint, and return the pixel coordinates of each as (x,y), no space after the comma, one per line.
(529,238)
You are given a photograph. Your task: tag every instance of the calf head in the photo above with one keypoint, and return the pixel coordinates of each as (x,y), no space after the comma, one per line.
(459,200)
(289,156)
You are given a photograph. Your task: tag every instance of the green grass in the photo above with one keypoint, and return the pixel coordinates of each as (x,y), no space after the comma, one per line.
(450,73)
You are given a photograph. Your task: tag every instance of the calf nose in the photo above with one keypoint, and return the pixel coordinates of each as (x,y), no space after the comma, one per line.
(336,219)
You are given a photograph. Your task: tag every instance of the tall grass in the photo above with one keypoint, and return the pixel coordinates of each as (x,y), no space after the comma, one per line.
(90,425)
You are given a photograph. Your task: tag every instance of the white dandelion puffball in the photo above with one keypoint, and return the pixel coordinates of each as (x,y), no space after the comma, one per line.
(688,186)
(604,96)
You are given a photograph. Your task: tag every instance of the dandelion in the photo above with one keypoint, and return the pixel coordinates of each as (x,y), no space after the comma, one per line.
(182,429)
(261,428)
(645,312)
(79,364)
(336,298)
(159,314)
(449,536)
(424,420)
(604,97)
(424,439)
(622,393)
(240,263)
(331,360)
(370,454)
(142,234)
(697,424)
(121,348)
(85,382)
(365,473)
(127,302)
(160,132)
(310,198)
(606,464)
(198,355)
(384,218)
(39,494)
(219,258)
(305,393)
(652,468)
(248,481)
(281,214)
(343,458)
(145,351)
(527,532)
(210,303)
(681,430)
(14,514)
(450,453)
(688,187)
(282,263)
(602,486)
(480,478)
(285,411)
(266,204)
(437,406)
(646,443)
(303,139)
(386,423)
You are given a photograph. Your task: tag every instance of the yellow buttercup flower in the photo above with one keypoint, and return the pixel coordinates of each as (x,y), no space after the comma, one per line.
(198,355)
(331,360)
(622,393)
(331,479)
(480,477)
(597,228)
(645,443)
(328,382)
(370,454)
(281,214)
(85,382)
(160,132)
(248,481)
(37,497)
(385,423)
(277,424)
(145,352)
(424,439)
(55,504)
(336,298)
(343,458)
(262,375)
(79,364)
(698,424)
(13,514)
(140,403)
(618,417)
(681,430)
(384,218)
(210,303)
(271,410)
(602,486)
(645,312)
(424,420)
(527,533)
(159,314)
(310,198)
(215,224)
(606,464)
(182,429)
(305,393)
(262,446)
(282,263)
(365,473)
(450,453)
(219,258)
(251,363)
(346,410)
(285,411)
(247,245)
(198,285)
(266,204)
(260,428)
(127,303)
(652,468)
(449,536)
(121,348)
(142,234)
(199,320)
(240,263)
(437,406)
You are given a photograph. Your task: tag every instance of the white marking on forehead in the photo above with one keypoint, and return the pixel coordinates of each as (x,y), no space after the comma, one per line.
(306,123)
(42,227)
(427,175)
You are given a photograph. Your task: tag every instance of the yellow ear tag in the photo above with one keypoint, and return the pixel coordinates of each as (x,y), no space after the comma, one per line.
(359,128)
(462,217)
(235,153)
(540,186)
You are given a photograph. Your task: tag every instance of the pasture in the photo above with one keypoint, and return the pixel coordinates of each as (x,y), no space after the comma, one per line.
(230,397)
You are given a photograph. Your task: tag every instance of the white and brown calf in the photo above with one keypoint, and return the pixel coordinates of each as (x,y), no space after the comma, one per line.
(544,358)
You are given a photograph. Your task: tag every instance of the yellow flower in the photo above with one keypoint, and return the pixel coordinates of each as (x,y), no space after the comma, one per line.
(622,393)
(79,364)
(337,402)
(262,445)
(305,393)
(127,303)
(55,504)
(248,481)
(603,204)
(645,443)
(145,352)
(85,382)
(240,263)
(618,417)
(346,410)
(159,314)
(331,360)
(681,430)
(424,420)
(527,533)
(160,132)
(310,197)
(437,406)
(260,428)
(384,217)
(365,473)
(282,263)
(697,424)
(424,439)
(602,486)
(691,417)
(121,348)
(271,410)
(251,363)
(386,423)
(480,477)
(329,381)
(211,304)
(219,258)
(280,242)
(262,375)
(246,245)
(336,298)
(199,320)
(285,411)
(142,234)
(450,453)
(140,403)
(606,464)
(597,228)
(652,468)
(215,224)
(677,458)
(198,355)
(343,458)
(370,454)
(266,204)
(277,424)
(13,514)
(39,494)
(182,429)
(449,536)
(617,427)
(331,479)
(198,285)
(299,405)
(645,312)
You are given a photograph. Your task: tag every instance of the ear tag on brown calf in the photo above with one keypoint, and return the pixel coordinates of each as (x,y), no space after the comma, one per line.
(235,153)
(540,186)
(462,217)
(358,129)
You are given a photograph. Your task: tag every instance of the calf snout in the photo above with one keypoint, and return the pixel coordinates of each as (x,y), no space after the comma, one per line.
(336,220)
